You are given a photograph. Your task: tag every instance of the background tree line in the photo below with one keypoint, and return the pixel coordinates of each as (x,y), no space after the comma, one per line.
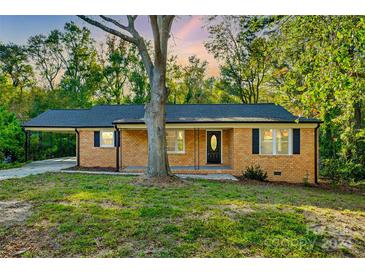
(312,65)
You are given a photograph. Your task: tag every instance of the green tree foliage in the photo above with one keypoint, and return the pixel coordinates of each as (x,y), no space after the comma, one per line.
(115,69)
(14,64)
(82,73)
(11,137)
(139,87)
(194,80)
(174,80)
(319,71)
(46,52)
(7,90)
(189,84)
(16,76)
(244,55)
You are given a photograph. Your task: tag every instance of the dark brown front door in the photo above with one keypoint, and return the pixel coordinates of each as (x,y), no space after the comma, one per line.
(213,147)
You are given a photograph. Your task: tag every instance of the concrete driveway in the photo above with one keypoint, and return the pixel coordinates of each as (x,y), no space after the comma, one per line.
(38,167)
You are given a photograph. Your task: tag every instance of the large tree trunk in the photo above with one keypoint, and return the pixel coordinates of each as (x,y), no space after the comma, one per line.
(155,110)
(155,117)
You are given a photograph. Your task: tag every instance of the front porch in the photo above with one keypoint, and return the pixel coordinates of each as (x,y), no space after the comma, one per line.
(197,150)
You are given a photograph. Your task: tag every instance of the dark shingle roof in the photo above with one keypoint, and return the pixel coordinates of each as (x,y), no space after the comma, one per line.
(107,115)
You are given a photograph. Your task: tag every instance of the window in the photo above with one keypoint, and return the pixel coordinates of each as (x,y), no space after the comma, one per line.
(213,143)
(266,141)
(282,141)
(175,141)
(275,141)
(107,138)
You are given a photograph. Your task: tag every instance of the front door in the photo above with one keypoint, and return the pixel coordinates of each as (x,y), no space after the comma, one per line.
(214,147)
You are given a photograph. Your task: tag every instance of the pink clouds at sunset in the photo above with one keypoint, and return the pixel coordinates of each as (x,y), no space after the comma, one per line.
(194,24)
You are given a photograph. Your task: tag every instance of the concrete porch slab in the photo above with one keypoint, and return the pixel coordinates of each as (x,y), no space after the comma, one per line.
(192,176)
(176,168)
(209,176)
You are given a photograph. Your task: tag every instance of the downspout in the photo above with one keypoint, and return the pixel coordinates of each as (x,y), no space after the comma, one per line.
(195,149)
(198,148)
(120,149)
(78,147)
(316,154)
(117,148)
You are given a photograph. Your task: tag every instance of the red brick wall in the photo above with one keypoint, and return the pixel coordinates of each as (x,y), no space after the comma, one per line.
(293,167)
(91,156)
(237,153)
(134,148)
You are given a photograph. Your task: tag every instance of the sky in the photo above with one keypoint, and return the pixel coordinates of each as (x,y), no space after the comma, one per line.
(188,33)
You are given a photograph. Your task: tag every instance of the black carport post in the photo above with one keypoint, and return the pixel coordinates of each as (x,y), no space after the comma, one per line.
(26,148)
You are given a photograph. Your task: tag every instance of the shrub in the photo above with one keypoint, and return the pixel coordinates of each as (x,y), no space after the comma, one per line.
(255,173)
(342,171)
(11,138)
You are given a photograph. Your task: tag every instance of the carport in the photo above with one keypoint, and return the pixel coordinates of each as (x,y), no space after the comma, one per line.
(72,122)
(49,143)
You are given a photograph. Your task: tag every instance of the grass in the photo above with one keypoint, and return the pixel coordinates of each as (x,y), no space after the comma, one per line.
(76,215)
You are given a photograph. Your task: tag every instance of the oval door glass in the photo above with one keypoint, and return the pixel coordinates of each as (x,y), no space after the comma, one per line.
(213,142)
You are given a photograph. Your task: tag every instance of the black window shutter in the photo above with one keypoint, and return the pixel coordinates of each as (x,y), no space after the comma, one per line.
(96,138)
(255,141)
(116,139)
(296,140)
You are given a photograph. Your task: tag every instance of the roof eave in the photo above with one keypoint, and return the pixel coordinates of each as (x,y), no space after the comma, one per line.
(212,122)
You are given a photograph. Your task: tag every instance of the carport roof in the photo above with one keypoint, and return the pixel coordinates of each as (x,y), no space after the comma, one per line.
(108,115)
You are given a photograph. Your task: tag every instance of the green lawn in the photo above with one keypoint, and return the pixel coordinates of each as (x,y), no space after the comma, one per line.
(73,215)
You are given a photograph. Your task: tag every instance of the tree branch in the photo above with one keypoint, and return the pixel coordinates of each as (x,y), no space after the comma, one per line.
(107,29)
(115,22)
(136,39)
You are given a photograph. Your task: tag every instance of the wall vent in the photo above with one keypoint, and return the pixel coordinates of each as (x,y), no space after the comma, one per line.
(277,173)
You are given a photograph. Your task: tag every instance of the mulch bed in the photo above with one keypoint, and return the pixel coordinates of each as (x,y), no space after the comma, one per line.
(105,169)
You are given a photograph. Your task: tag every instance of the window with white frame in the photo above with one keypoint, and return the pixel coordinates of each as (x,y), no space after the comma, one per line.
(175,140)
(107,138)
(276,141)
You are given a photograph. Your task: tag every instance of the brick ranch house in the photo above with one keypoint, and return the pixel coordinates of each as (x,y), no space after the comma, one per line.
(201,138)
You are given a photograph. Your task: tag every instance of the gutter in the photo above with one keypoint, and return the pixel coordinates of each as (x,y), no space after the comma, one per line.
(316,153)
(173,122)
(223,122)
(104,126)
